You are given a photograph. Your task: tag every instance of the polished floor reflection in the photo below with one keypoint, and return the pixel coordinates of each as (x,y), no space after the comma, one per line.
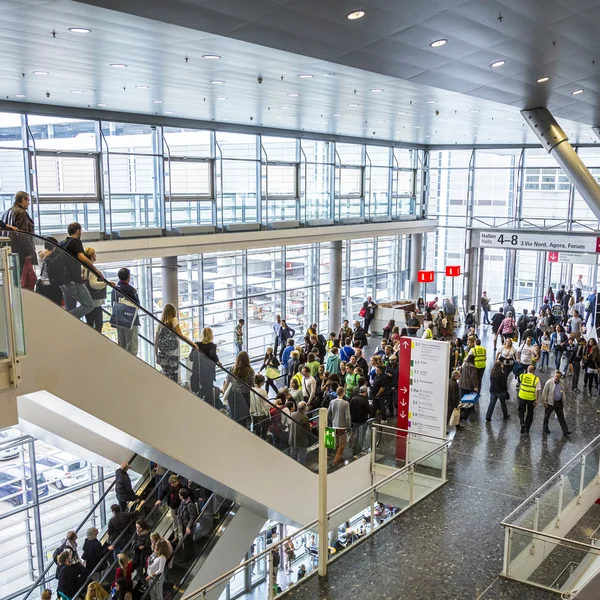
(450,546)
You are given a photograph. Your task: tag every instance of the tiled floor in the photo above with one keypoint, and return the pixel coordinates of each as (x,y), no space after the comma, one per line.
(450,546)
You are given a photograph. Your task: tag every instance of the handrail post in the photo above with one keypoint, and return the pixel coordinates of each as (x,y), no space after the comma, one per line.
(372,498)
(561,489)
(272,579)
(581,479)
(508,534)
(373,452)
(323,533)
(536,516)
(411,484)
(444,464)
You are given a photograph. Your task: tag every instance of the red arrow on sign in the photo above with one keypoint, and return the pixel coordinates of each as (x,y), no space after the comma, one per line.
(553,256)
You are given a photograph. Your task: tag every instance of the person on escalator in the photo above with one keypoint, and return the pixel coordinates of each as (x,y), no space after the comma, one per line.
(172,495)
(187,513)
(142,547)
(120,522)
(156,568)
(123,489)
(124,570)
(204,366)
(124,294)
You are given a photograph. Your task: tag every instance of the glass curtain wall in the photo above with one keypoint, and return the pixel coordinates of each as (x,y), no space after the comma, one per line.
(505,188)
(34,518)
(217,289)
(114,177)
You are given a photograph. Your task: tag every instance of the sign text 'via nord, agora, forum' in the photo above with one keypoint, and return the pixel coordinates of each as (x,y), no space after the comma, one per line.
(539,241)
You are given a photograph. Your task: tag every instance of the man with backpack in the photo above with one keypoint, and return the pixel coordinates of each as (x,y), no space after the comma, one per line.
(470,318)
(123,293)
(67,273)
(187,513)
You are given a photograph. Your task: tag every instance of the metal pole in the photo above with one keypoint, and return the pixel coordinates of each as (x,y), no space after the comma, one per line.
(581,479)
(272,579)
(416,255)
(507,545)
(411,484)
(536,516)
(561,489)
(323,528)
(335,285)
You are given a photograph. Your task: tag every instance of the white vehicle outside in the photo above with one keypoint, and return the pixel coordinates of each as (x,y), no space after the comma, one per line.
(63,470)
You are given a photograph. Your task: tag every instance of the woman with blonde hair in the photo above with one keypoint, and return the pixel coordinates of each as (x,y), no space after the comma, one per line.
(97,289)
(124,570)
(95,592)
(46,594)
(202,381)
(166,343)
(157,564)
(239,383)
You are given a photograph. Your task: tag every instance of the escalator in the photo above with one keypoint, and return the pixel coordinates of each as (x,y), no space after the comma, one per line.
(87,382)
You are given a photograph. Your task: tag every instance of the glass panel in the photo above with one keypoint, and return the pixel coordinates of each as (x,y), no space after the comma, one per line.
(131,138)
(349,154)
(280,149)
(189,178)
(238,181)
(62,133)
(187,142)
(4,325)
(17,306)
(67,176)
(379,191)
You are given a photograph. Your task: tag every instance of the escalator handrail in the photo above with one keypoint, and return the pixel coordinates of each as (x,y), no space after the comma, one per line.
(180,544)
(109,552)
(77,530)
(156,320)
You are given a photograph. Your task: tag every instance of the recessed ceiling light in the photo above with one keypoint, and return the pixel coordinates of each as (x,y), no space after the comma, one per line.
(337,115)
(324,123)
(80,30)
(474,110)
(157,101)
(217,81)
(357,14)
(41,73)
(224,110)
(430,101)
(293,94)
(220,98)
(20,96)
(118,66)
(438,43)
(427,136)
(101,104)
(543,79)
(305,76)
(224,118)
(402,113)
(577,92)
(284,107)
(376,90)
(142,87)
(168,112)
(498,63)
(380,121)
(353,104)
(279,117)
(76,91)
(417,127)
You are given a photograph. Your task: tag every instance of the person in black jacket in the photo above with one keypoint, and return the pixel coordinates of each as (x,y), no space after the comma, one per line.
(187,513)
(171,493)
(93,550)
(119,523)
(360,336)
(575,351)
(359,415)
(498,391)
(123,489)
(453,395)
(122,293)
(496,322)
(271,361)
(70,577)
(285,333)
(204,366)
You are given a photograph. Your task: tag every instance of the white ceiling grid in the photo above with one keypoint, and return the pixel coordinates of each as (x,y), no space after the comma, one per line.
(280,39)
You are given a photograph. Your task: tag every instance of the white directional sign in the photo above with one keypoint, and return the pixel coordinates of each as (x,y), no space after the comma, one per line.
(532,240)
(573,258)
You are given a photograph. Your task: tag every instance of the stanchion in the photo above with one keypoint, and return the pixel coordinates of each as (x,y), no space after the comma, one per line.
(323,525)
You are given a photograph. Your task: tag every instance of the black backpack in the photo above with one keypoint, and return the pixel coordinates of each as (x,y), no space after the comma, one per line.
(58,552)
(469,320)
(57,267)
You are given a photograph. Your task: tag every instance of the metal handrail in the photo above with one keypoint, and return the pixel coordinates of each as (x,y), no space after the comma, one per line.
(563,541)
(433,437)
(99,567)
(77,529)
(577,457)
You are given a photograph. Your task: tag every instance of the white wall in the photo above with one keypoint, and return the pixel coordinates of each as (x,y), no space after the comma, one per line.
(115,395)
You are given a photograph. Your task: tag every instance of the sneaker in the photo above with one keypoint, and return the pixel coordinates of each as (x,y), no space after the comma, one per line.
(567,433)
(522,429)
(546,430)
(576,390)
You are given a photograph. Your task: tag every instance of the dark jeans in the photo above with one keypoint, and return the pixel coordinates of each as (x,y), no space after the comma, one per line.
(367,323)
(52,292)
(94,318)
(271,383)
(486,319)
(492,405)
(557,356)
(526,406)
(576,371)
(507,371)
(592,379)
(560,413)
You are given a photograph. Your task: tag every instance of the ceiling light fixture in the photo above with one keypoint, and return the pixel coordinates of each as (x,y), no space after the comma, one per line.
(41,73)
(168,112)
(305,76)
(543,79)
(417,127)
(577,92)
(224,118)
(337,115)
(353,104)
(220,98)
(402,113)
(20,96)
(80,30)
(101,104)
(118,66)
(157,101)
(76,91)
(430,101)
(217,81)
(284,107)
(497,64)
(438,43)
(293,95)
(357,14)
(278,117)
(380,121)
(474,110)
(142,87)
(211,56)
(376,90)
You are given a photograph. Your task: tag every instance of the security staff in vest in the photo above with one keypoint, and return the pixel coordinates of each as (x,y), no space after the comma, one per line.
(480,354)
(528,397)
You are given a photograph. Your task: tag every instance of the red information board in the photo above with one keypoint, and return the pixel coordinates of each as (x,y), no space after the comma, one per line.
(425,276)
(453,271)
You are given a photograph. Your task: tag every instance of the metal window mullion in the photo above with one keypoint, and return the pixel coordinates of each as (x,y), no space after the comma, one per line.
(160,206)
(283,282)
(259,190)
(245,296)
(37,522)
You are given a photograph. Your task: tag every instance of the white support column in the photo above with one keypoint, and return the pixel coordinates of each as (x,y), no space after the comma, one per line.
(335,285)
(323,525)
(556,142)
(170,283)
(416,263)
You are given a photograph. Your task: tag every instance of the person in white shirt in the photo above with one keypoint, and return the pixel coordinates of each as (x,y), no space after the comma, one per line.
(156,568)
(339,415)
(259,407)
(578,289)
(526,355)
(309,385)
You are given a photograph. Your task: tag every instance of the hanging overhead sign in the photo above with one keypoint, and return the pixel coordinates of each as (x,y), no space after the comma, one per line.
(453,271)
(425,276)
(572,258)
(554,241)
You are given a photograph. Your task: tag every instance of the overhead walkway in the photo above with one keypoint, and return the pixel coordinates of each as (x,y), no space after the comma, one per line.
(97,392)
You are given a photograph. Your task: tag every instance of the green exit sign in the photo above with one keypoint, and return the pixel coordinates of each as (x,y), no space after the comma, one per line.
(330,438)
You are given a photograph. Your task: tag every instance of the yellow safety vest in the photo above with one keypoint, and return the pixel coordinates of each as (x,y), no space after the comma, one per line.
(480,357)
(528,384)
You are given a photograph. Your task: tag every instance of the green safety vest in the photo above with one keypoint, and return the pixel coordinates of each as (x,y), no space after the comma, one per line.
(480,357)
(528,384)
